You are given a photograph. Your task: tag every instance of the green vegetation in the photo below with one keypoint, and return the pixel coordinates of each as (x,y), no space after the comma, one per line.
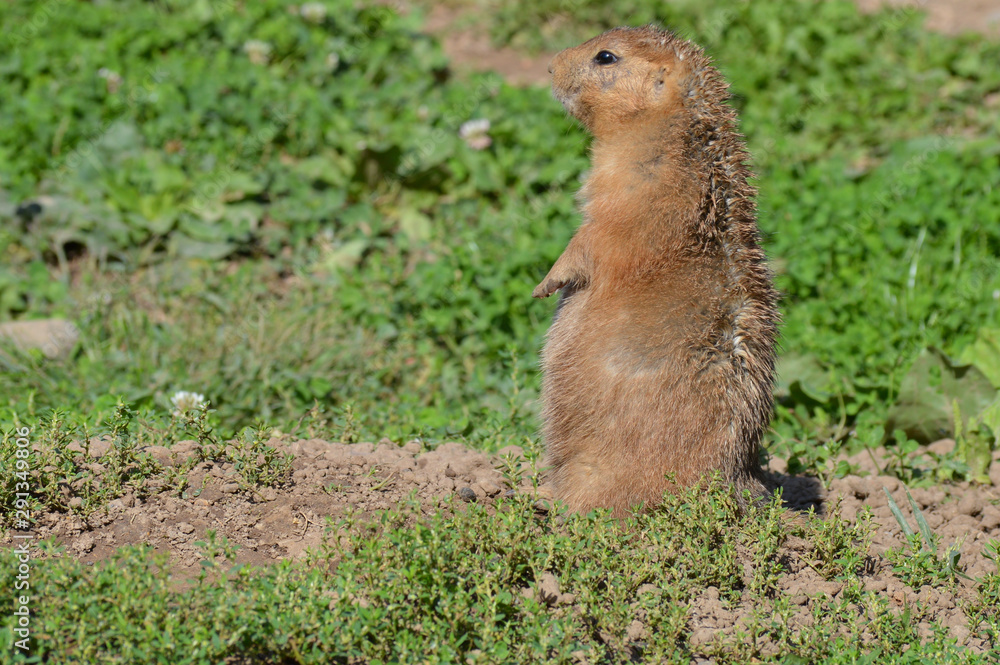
(467,586)
(274,206)
(921,564)
(985,611)
(66,477)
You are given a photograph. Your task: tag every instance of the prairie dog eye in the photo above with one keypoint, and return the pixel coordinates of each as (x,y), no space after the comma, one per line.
(605,58)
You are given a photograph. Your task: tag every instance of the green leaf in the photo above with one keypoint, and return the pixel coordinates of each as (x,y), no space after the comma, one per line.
(189,248)
(415,225)
(799,374)
(346,255)
(925,528)
(923,408)
(984,353)
(982,436)
(991,417)
(898,514)
(328,168)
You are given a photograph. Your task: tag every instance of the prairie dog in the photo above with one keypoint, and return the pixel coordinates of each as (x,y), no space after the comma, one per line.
(660,358)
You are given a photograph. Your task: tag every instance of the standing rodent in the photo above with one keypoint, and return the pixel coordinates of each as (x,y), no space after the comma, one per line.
(660,359)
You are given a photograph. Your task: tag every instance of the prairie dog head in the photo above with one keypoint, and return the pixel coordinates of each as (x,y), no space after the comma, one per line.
(619,76)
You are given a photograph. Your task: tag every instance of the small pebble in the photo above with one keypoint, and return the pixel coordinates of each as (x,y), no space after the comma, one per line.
(971,504)
(942,447)
(488,487)
(466,494)
(875,585)
(548,588)
(701,636)
(161,454)
(887,482)
(990,518)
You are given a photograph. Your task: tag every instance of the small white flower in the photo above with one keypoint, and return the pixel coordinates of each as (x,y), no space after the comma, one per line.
(112,78)
(332,60)
(475,133)
(258,51)
(184,401)
(314,12)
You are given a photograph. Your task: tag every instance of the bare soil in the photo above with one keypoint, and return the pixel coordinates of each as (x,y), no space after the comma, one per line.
(330,479)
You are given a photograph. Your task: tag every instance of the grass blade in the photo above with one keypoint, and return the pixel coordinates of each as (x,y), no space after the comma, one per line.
(925,528)
(898,514)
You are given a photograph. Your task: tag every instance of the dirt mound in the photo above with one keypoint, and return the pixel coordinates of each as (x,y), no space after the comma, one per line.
(329,480)
(269,524)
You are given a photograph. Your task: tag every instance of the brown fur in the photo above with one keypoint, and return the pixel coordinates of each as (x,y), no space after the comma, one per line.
(660,359)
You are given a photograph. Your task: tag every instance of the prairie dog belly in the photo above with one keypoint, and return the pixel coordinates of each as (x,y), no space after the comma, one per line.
(622,408)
